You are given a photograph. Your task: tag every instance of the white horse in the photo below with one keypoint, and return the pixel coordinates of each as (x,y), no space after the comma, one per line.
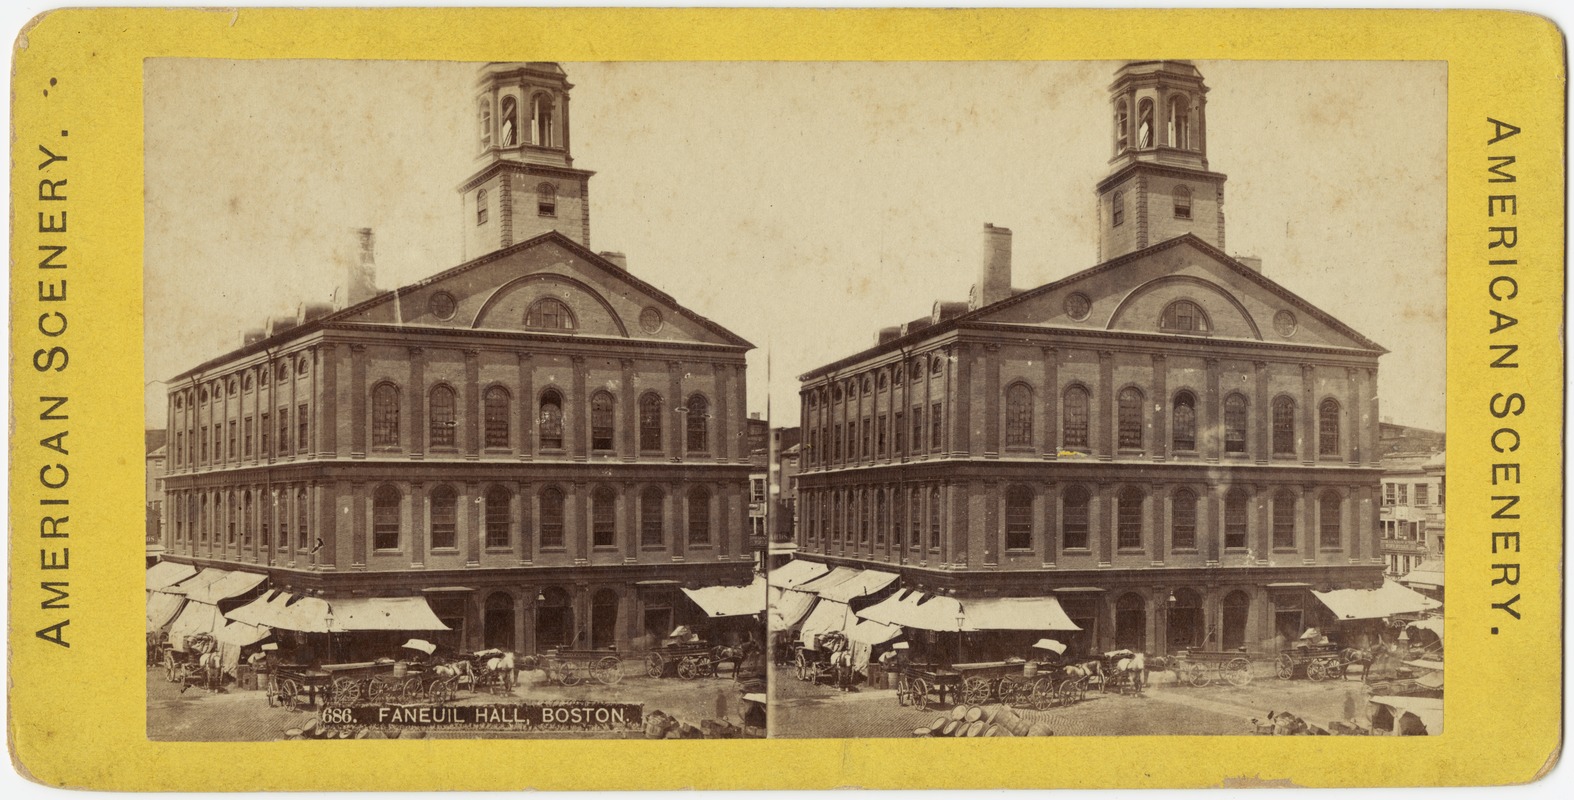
(502,668)
(1132,668)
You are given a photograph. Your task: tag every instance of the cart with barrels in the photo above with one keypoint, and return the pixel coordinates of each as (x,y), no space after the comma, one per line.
(1203,667)
(1018,683)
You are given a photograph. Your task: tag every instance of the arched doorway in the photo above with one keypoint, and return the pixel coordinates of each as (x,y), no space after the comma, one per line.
(1236,606)
(497,622)
(1131,622)
(554,619)
(1187,624)
(604,619)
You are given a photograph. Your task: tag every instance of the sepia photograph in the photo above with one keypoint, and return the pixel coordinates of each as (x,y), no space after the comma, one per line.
(874,399)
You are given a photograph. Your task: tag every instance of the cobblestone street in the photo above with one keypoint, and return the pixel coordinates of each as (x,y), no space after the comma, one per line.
(804,710)
(244,715)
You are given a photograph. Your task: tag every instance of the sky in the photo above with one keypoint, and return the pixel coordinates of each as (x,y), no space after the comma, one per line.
(801,205)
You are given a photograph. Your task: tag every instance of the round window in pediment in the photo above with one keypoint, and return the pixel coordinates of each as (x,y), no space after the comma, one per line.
(1078,305)
(1285,323)
(650,319)
(442,305)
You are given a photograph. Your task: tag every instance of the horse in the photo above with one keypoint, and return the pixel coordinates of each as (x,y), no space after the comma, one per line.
(734,655)
(502,669)
(460,672)
(1085,670)
(1133,668)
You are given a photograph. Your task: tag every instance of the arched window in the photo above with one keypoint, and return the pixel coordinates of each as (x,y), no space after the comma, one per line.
(1117,209)
(1074,425)
(546,200)
(1074,519)
(601,418)
(1283,426)
(1019,518)
(1180,122)
(484,119)
(1145,124)
(1284,520)
(551,314)
(1019,415)
(1235,423)
(541,132)
(652,517)
(445,516)
(510,119)
(1128,519)
(1184,316)
(1122,127)
(1328,428)
(385,415)
(695,432)
(1183,422)
(1235,519)
(385,518)
(934,519)
(496,417)
(603,516)
(650,414)
(551,524)
(1237,605)
(699,515)
(302,523)
(497,516)
(550,426)
(440,423)
(882,516)
(1330,522)
(1129,418)
(1182,202)
(480,207)
(1183,527)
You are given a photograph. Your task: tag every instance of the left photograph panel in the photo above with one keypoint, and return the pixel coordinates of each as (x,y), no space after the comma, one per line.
(426,457)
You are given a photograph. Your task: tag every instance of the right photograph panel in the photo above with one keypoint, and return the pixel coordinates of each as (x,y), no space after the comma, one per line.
(1161,450)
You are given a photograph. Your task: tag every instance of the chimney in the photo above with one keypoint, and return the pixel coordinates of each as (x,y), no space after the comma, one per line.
(621,260)
(361,282)
(1253,263)
(994,278)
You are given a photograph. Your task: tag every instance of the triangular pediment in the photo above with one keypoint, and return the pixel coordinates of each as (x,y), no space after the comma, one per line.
(548,285)
(1181,287)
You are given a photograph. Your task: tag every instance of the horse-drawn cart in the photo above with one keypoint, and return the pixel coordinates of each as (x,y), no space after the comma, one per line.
(572,667)
(688,661)
(1202,667)
(288,684)
(1012,683)
(1316,661)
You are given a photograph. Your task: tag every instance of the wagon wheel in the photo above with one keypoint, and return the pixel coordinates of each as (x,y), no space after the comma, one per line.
(374,690)
(1285,667)
(686,669)
(346,691)
(655,665)
(976,691)
(608,670)
(288,691)
(1317,670)
(413,688)
(569,674)
(1015,692)
(705,667)
(1044,696)
(1238,672)
(800,664)
(1072,691)
(170,673)
(1199,676)
(443,691)
(1333,668)
(904,691)
(918,690)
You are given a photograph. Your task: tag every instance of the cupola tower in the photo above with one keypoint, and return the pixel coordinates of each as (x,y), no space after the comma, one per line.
(1159,185)
(525,183)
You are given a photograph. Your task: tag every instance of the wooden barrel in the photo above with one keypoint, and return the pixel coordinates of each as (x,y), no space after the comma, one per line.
(1009,719)
(976,728)
(996,730)
(950,728)
(921,732)
(973,714)
(401,669)
(1030,669)
(937,723)
(990,713)
(1040,729)
(958,712)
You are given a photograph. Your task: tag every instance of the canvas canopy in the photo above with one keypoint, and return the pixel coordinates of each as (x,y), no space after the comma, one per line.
(290,612)
(830,616)
(915,609)
(163,607)
(168,573)
(829,580)
(241,634)
(1429,710)
(730,601)
(1432,624)
(199,582)
(796,572)
(1428,573)
(911,608)
(788,607)
(1391,599)
(862,584)
(233,584)
(194,618)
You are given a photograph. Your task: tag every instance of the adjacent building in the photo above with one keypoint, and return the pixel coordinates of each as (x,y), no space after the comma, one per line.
(1171,447)
(542,445)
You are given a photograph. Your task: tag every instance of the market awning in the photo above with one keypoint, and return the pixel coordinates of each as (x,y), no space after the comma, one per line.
(284,611)
(788,607)
(730,601)
(796,572)
(1427,709)
(168,573)
(1391,599)
(163,608)
(233,584)
(829,580)
(194,618)
(1428,573)
(865,583)
(241,634)
(199,582)
(830,616)
(1015,614)
(1433,624)
(911,608)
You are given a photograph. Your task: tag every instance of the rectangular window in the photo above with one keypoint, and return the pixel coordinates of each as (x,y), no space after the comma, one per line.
(1235,518)
(385,525)
(1388,494)
(1420,494)
(497,519)
(917,444)
(936,428)
(880,430)
(900,431)
(1402,494)
(1284,523)
(233,428)
(250,427)
(1074,525)
(284,431)
(1019,523)
(265,452)
(756,490)
(445,528)
(603,528)
(865,437)
(1283,428)
(301,430)
(836,439)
